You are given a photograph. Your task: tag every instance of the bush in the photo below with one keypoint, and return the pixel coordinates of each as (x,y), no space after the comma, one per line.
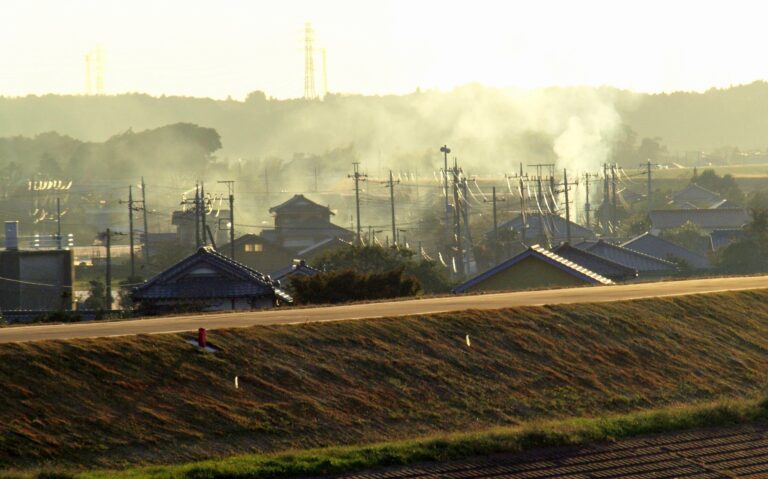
(349,285)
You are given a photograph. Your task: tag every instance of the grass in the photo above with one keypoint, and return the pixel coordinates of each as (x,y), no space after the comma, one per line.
(137,401)
(337,460)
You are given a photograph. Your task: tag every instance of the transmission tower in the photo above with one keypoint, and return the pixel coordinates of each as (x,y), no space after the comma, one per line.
(309,62)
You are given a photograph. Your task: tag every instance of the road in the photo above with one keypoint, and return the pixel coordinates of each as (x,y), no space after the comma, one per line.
(172,324)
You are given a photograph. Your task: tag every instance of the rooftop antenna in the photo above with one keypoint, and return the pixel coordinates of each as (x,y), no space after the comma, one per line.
(309,62)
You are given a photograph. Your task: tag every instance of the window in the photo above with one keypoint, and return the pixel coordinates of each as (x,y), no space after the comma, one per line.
(254,248)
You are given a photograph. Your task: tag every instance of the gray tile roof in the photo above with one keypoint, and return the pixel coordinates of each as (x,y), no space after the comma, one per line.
(661,248)
(641,262)
(299,202)
(722,238)
(542,254)
(593,262)
(222,278)
(550,226)
(718,218)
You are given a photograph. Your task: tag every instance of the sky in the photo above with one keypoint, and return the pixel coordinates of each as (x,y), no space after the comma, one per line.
(228,48)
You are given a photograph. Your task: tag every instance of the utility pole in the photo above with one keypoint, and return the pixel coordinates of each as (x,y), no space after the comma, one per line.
(457,217)
(231,189)
(58,223)
(613,192)
(358,177)
(445,150)
(566,187)
(494,200)
(649,165)
(391,185)
(108,284)
(203,212)
(130,231)
(587,206)
(146,229)
(197,216)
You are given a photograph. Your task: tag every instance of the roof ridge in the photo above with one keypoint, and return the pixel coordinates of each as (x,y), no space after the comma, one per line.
(575,266)
(639,253)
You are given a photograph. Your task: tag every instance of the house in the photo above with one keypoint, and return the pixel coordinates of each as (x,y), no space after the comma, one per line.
(298,268)
(643,263)
(695,195)
(301,223)
(208,281)
(602,266)
(706,219)
(545,228)
(257,253)
(322,248)
(722,238)
(535,267)
(661,248)
(187,226)
(34,279)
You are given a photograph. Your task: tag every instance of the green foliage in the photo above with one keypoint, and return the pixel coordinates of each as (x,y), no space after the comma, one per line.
(350,285)
(97,295)
(689,236)
(749,255)
(725,185)
(125,292)
(375,259)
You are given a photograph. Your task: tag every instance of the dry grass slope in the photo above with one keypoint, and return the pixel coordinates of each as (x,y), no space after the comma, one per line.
(113,402)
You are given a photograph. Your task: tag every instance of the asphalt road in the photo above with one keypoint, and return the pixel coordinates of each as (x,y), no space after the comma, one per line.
(171,324)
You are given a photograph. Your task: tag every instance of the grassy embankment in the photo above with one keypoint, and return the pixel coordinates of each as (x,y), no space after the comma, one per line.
(156,399)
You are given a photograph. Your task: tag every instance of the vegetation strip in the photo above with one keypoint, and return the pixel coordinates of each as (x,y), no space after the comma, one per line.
(335,460)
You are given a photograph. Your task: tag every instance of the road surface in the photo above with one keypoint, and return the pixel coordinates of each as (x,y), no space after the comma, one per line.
(172,324)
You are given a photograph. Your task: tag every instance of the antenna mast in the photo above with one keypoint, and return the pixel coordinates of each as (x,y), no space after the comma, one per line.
(309,62)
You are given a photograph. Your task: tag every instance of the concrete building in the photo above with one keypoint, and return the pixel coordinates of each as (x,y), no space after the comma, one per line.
(34,279)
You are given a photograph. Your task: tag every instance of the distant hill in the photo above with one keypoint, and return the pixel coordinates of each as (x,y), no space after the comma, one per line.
(576,125)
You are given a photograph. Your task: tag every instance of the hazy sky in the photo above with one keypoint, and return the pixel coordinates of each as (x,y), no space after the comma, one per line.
(229,47)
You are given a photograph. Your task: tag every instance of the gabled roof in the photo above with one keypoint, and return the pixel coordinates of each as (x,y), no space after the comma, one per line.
(298,202)
(718,218)
(299,268)
(661,248)
(541,254)
(326,243)
(695,193)
(632,259)
(207,274)
(724,203)
(552,226)
(598,264)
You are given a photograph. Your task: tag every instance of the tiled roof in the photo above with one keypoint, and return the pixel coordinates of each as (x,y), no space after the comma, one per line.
(230,279)
(661,248)
(718,218)
(696,193)
(326,242)
(593,262)
(300,269)
(722,238)
(627,257)
(542,254)
(714,453)
(551,226)
(298,202)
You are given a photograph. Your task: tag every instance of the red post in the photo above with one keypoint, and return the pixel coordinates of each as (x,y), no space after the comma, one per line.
(201,337)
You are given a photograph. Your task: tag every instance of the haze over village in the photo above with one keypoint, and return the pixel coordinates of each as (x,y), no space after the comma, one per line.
(383,239)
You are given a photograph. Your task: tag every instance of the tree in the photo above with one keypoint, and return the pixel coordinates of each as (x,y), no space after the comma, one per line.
(725,185)
(749,255)
(689,236)
(376,259)
(96,299)
(350,285)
